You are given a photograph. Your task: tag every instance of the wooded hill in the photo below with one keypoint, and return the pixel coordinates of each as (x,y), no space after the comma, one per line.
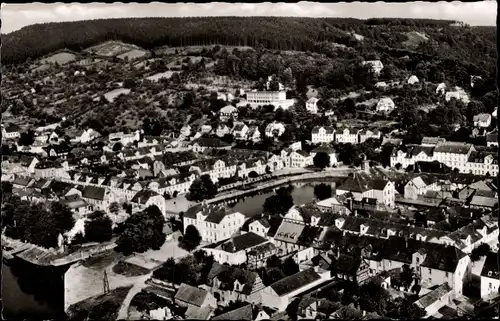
(276,33)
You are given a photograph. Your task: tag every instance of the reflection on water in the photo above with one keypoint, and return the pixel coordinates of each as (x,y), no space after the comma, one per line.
(31,291)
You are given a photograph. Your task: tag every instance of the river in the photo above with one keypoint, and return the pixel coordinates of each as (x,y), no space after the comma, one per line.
(20,288)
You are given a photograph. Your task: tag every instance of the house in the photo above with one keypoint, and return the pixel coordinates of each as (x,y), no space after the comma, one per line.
(312,105)
(186,131)
(441,88)
(231,283)
(385,104)
(228,112)
(492,139)
(225,96)
(193,297)
(347,136)
(279,294)
(28,163)
(347,267)
(376,66)
(222,130)
(327,150)
(253,134)
(276,98)
(85,136)
(201,144)
(362,186)
(97,196)
(275,129)
(490,276)
(482,120)
(22,182)
(364,135)
(244,313)
(214,222)
(436,299)
(412,80)
(381,85)
(124,139)
(146,198)
(296,158)
(10,131)
(419,186)
(321,134)
(240,131)
(459,94)
(242,249)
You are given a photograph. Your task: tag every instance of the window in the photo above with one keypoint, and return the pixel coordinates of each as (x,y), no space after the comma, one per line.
(430,271)
(418,260)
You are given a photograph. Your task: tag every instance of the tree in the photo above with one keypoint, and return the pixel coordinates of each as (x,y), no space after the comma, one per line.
(321,160)
(290,267)
(279,203)
(99,227)
(117,147)
(142,231)
(273,261)
(129,83)
(253,174)
(191,238)
(27,138)
(323,191)
(114,207)
(202,188)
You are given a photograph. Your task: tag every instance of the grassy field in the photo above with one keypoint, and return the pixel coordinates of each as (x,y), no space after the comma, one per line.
(132,54)
(111,48)
(111,95)
(414,39)
(61,58)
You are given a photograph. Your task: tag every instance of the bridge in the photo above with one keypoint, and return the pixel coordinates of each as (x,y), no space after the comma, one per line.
(228,197)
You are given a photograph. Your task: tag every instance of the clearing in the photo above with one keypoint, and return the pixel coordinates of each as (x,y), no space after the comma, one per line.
(111,48)
(133,54)
(414,39)
(111,95)
(158,76)
(61,58)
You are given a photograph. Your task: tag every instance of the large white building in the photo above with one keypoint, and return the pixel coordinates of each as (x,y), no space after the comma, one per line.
(376,65)
(322,134)
(214,222)
(275,98)
(385,104)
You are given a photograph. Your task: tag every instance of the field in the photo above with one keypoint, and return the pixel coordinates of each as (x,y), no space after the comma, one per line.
(132,54)
(158,76)
(111,95)
(111,49)
(61,58)
(414,39)
(105,305)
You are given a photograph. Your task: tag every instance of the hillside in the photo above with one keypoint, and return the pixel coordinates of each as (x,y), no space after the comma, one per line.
(271,32)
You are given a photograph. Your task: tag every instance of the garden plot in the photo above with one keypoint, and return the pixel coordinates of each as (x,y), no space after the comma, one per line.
(61,58)
(111,49)
(111,95)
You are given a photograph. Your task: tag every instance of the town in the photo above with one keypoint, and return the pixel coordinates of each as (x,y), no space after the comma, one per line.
(250,183)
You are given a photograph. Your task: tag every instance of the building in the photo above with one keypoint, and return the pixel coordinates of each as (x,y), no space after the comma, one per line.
(275,98)
(240,131)
(228,112)
(482,120)
(10,131)
(436,299)
(365,134)
(146,198)
(222,130)
(419,186)
(441,88)
(492,139)
(123,138)
(312,105)
(85,136)
(193,297)
(376,66)
(364,187)
(275,129)
(201,144)
(385,104)
(413,80)
(490,276)
(459,94)
(279,294)
(214,222)
(347,136)
(322,134)
(253,134)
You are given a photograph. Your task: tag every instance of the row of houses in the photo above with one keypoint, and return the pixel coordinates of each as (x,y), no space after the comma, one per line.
(325,134)
(465,158)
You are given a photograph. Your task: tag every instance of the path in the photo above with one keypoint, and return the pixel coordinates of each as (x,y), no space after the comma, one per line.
(136,288)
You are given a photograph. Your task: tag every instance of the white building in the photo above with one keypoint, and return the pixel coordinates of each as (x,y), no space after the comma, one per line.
(458,94)
(312,105)
(125,139)
(322,134)
(275,98)
(385,104)
(214,222)
(347,136)
(412,80)
(10,131)
(441,88)
(275,129)
(482,120)
(225,113)
(145,198)
(490,276)
(376,65)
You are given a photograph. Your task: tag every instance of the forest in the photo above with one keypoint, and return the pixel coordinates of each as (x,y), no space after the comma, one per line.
(276,33)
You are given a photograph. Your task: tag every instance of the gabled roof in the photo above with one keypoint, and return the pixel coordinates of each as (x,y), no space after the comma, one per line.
(94,192)
(143,196)
(453,148)
(191,295)
(242,242)
(433,296)
(295,282)
(243,313)
(490,267)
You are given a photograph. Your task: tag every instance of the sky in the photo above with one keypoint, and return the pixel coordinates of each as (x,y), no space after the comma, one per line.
(16,16)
